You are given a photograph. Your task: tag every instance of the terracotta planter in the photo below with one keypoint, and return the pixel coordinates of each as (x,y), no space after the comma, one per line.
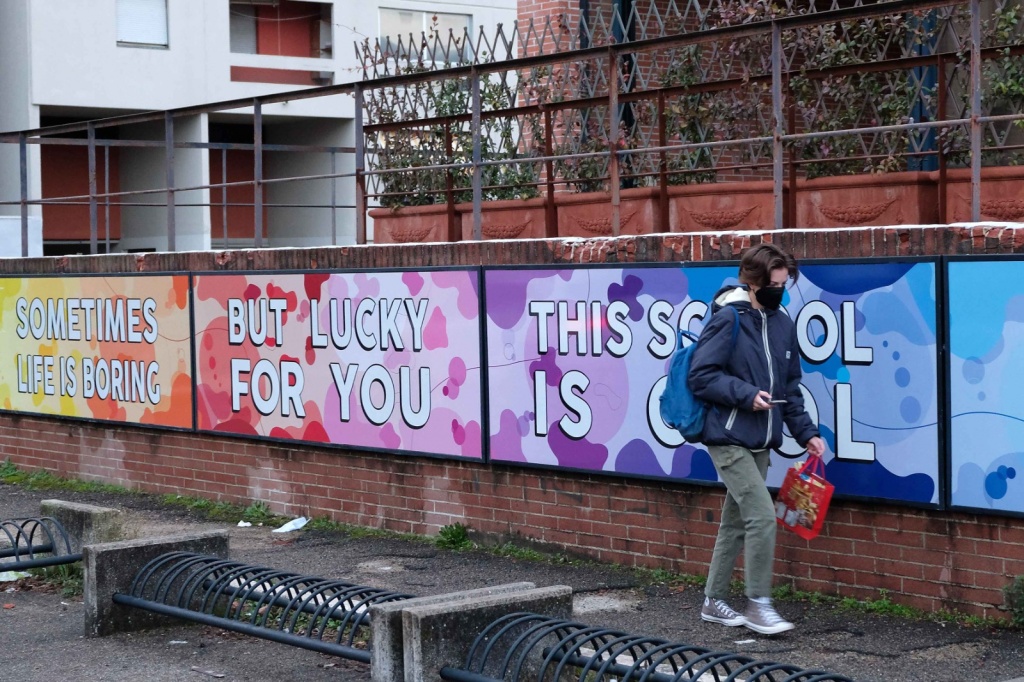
(411,224)
(909,198)
(722,206)
(1002,194)
(505,219)
(590,214)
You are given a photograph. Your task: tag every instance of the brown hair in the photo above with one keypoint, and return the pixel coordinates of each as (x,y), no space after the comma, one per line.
(757,263)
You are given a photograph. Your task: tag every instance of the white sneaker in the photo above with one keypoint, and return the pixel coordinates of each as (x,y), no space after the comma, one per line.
(717,611)
(762,617)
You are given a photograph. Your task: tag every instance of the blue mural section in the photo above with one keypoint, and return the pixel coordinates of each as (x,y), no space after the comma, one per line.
(869,343)
(986,384)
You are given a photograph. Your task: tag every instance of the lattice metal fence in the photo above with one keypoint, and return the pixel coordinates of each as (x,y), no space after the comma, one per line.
(687,93)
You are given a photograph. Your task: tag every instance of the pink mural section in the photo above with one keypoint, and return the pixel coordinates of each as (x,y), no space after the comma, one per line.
(116,348)
(375,360)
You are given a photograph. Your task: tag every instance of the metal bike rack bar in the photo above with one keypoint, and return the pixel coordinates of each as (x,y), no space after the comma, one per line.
(328,616)
(34,543)
(523,646)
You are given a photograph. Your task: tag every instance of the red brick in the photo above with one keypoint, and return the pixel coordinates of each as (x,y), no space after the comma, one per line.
(926,588)
(986,580)
(851,531)
(901,538)
(853,561)
(871,549)
(880,581)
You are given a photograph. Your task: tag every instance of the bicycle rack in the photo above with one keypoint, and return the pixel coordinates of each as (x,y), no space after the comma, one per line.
(22,541)
(524,646)
(262,602)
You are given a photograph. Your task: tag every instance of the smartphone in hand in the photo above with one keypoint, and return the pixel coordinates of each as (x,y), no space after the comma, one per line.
(778,401)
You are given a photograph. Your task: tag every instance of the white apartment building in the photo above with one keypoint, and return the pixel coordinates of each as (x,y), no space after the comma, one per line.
(69,61)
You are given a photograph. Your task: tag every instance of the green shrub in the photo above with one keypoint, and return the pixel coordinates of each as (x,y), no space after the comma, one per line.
(455,536)
(1014,594)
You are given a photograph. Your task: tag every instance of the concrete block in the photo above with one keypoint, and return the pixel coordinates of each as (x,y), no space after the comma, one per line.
(111,567)
(441,635)
(85,524)
(387,646)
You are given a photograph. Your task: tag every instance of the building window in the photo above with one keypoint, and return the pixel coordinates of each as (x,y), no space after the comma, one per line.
(401,28)
(142,22)
(286,28)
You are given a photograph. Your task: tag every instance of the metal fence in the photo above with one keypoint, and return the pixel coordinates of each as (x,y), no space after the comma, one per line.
(685,94)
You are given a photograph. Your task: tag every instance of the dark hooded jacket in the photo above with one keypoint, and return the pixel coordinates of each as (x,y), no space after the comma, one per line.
(765,357)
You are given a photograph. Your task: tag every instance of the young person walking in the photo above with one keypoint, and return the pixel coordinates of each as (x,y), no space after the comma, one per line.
(752,387)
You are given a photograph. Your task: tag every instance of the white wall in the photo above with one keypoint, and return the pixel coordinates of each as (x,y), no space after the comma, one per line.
(64,54)
(145,227)
(191,169)
(308,226)
(77,61)
(16,110)
(364,18)
(10,236)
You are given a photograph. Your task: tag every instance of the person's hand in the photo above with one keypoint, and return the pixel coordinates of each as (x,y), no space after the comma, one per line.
(815,447)
(762,401)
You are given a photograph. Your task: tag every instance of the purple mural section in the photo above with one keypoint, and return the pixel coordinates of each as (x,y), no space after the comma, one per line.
(577,359)
(579,356)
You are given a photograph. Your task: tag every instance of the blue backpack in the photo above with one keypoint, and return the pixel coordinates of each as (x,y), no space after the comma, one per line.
(680,409)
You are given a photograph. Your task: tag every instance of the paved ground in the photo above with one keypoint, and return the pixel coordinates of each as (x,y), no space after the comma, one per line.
(41,632)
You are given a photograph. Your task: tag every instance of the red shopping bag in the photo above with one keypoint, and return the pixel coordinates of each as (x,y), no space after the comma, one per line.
(803,498)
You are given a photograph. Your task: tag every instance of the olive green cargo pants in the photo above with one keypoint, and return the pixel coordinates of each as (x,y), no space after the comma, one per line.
(748,522)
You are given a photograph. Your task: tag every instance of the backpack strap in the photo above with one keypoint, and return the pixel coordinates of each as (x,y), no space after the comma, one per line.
(735,325)
(684,334)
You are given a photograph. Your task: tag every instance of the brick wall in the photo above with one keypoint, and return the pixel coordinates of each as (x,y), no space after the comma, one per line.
(926,559)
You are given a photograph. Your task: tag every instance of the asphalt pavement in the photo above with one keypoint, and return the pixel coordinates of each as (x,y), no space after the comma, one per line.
(41,631)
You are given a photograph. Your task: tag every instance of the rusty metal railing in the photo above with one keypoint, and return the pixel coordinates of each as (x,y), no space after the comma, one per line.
(463,174)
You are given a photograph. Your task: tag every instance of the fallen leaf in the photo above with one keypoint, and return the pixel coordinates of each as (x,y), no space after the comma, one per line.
(8,606)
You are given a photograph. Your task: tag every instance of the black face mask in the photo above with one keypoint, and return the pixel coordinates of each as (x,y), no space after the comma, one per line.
(770,298)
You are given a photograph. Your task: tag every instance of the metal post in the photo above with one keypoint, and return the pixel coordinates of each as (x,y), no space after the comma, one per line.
(613,141)
(23,158)
(224,194)
(106,199)
(550,210)
(663,216)
(334,200)
(942,94)
(93,208)
(257,172)
(975,110)
(777,148)
(789,215)
(449,183)
(477,169)
(360,162)
(169,144)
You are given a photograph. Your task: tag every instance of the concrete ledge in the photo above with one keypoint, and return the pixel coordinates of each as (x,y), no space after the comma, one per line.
(437,635)
(112,567)
(387,662)
(85,524)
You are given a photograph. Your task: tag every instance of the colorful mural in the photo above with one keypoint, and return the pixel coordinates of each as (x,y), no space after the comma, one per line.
(115,348)
(986,384)
(381,360)
(581,354)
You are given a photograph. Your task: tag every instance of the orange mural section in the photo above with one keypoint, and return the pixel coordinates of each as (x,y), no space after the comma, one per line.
(115,348)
